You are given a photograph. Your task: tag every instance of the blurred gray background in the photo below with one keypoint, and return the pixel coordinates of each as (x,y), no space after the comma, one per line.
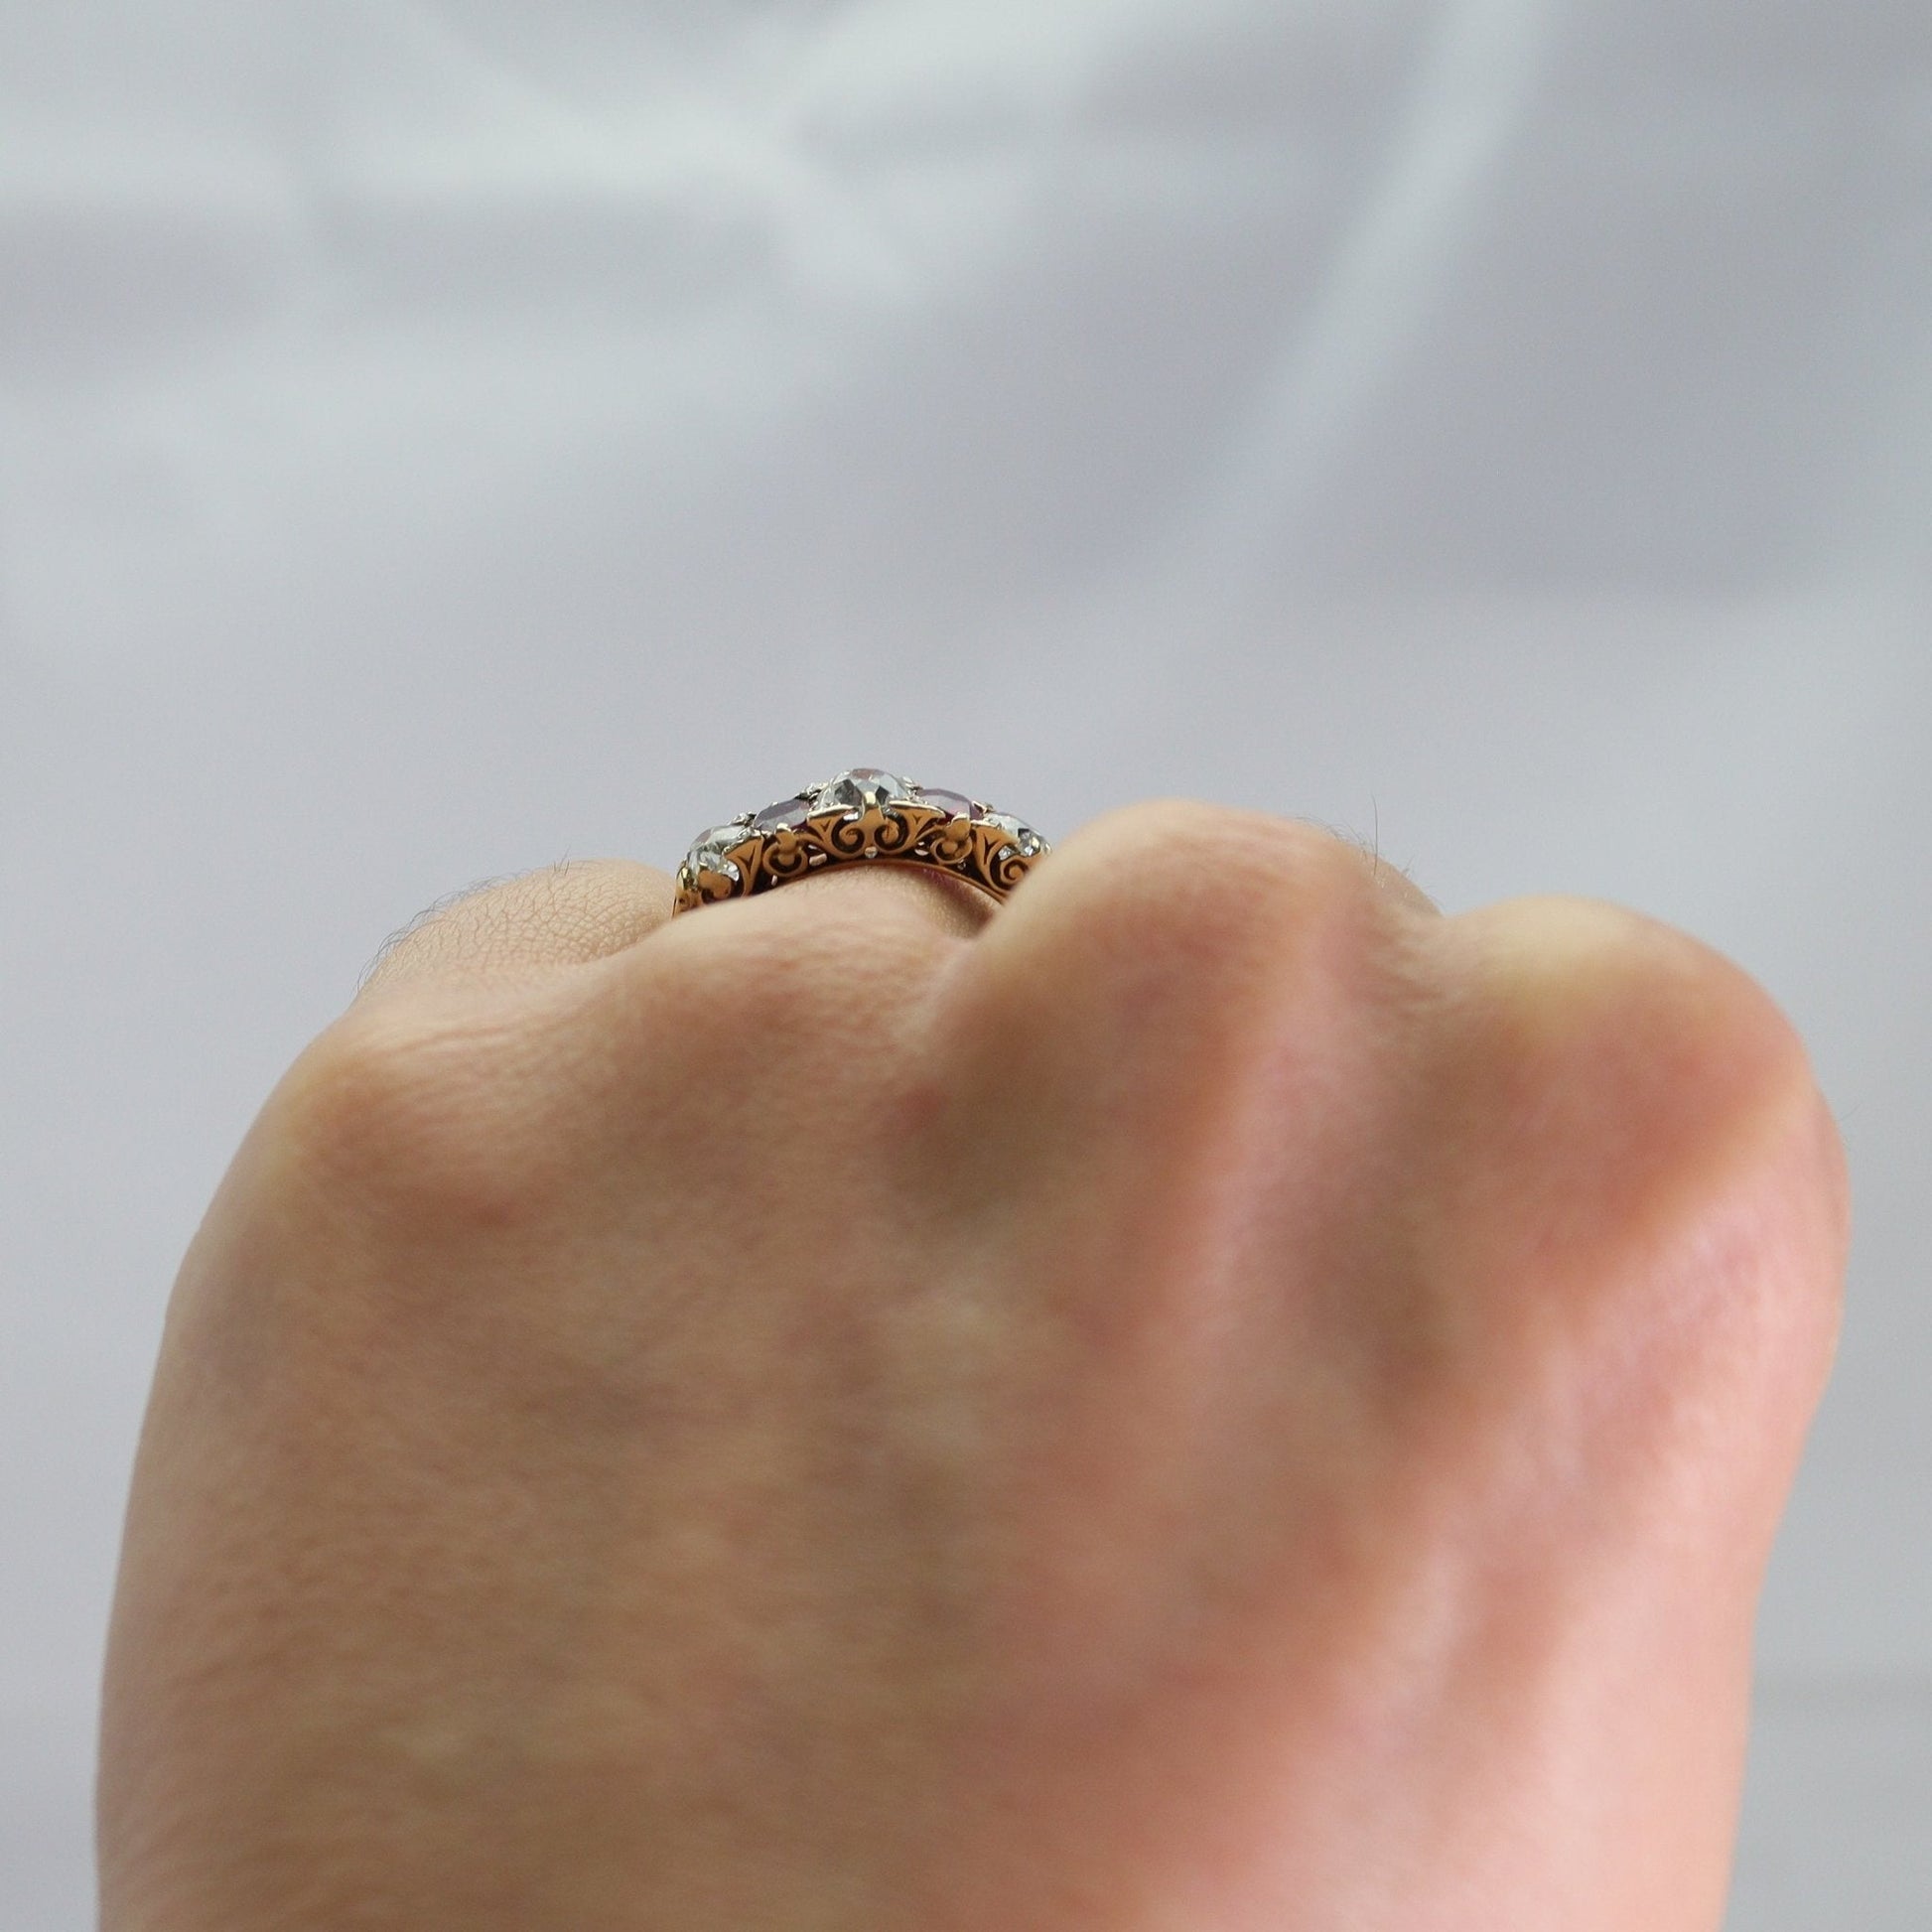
(440,439)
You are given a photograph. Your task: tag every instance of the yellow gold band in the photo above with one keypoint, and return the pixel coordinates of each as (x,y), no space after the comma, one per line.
(863,816)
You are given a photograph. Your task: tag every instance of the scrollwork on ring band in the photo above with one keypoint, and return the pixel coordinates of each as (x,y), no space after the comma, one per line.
(863,816)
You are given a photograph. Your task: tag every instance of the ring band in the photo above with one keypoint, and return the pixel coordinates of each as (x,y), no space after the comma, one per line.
(863,816)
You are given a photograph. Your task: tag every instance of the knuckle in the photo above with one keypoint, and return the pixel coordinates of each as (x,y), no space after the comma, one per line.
(1175,962)
(1650,1120)
(1657,1029)
(746,1025)
(434,1114)
(575,911)
(1183,889)
(719,980)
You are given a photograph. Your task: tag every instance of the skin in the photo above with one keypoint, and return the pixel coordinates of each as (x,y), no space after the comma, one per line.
(1194,1403)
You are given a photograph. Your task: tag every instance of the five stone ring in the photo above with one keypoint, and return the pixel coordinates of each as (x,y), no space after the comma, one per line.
(863,816)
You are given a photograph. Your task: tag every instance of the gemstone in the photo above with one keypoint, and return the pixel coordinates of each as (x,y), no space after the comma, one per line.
(955,803)
(863,786)
(786,815)
(1026,840)
(708,852)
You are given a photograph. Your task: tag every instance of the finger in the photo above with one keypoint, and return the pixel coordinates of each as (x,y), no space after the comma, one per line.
(1205,883)
(1391,878)
(1643,1093)
(952,905)
(880,890)
(1176,965)
(556,916)
(842,948)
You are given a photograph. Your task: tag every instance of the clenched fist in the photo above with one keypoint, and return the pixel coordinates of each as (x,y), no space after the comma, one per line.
(1210,1398)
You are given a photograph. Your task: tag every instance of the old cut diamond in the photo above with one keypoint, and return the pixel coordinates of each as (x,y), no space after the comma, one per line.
(709,851)
(863,788)
(1024,839)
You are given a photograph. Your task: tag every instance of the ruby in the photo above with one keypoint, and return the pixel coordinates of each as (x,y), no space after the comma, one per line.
(954,803)
(786,815)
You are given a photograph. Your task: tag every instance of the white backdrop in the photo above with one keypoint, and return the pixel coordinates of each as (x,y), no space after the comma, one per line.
(440,439)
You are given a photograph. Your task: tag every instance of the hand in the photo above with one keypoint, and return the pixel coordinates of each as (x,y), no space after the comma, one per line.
(1212,1398)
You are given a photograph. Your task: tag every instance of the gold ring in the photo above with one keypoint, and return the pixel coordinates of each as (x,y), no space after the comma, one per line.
(864,817)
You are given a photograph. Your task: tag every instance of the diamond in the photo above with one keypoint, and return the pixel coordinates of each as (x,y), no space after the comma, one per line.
(863,787)
(708,851)
(1024,840)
